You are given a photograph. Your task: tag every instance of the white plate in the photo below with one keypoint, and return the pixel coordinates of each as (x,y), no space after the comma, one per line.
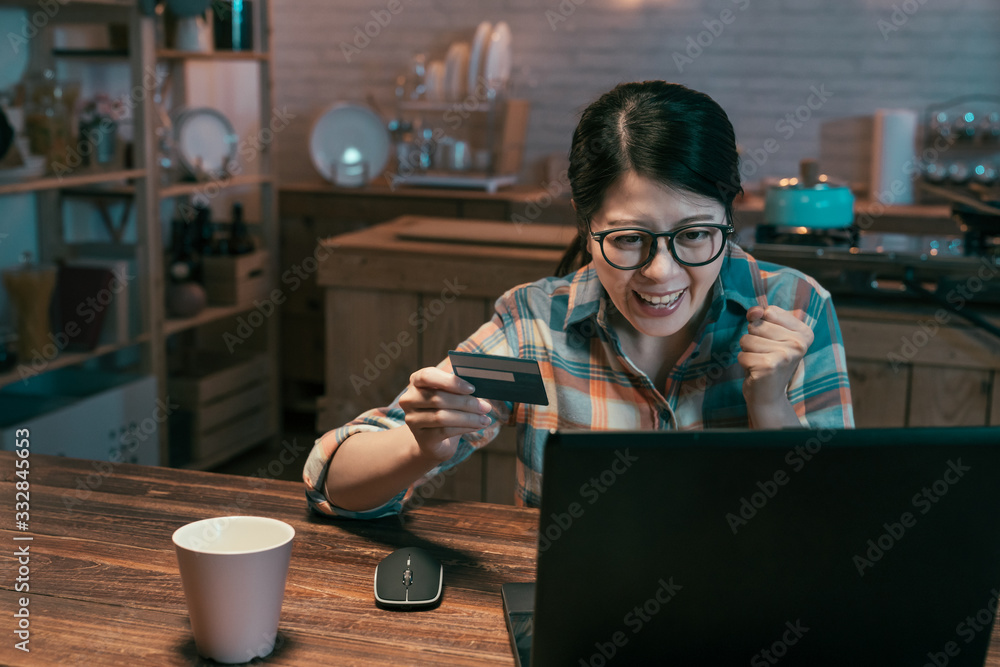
(13,52)
(497,67)
(456,67)
(435,81)
(206,141)
(477,56)
(349,144)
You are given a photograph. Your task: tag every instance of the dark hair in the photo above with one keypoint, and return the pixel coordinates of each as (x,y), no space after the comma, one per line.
(663,131)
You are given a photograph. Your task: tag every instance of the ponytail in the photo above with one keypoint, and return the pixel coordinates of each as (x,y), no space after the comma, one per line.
(574,257)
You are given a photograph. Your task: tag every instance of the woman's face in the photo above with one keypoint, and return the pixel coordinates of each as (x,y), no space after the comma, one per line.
(662,297)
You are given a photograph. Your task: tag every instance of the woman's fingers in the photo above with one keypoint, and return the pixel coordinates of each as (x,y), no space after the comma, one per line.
(436,378)
(774,322)
(438,406)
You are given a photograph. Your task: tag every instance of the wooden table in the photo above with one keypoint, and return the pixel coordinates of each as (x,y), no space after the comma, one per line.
(105,588)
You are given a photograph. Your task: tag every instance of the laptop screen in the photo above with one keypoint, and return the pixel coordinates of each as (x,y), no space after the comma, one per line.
(866,546)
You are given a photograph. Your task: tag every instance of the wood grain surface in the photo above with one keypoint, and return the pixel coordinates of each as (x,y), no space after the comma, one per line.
(105,588)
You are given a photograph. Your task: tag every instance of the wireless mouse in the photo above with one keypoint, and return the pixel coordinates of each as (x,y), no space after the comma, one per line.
(408,578)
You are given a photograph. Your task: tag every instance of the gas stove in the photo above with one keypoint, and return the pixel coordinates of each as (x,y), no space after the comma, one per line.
(852,262)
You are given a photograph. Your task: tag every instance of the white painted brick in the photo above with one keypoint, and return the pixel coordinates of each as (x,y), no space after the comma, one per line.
(760,67)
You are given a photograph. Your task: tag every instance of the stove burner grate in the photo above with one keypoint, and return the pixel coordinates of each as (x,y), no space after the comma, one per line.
(804,236)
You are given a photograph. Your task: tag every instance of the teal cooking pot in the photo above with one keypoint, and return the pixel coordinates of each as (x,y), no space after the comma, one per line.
(808,202)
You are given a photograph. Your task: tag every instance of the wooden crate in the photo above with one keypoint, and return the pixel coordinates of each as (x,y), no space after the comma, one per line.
(236,280)
(223,407)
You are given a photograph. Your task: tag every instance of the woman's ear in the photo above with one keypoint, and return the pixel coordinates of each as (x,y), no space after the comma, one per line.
(573,202)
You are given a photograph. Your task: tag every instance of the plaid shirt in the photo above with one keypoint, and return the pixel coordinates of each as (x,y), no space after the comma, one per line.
(563,324)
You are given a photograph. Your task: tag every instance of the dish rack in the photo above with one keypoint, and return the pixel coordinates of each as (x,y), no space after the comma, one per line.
(476,144)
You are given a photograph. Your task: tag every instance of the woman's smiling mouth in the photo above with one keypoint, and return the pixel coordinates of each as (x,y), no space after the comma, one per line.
(661,300)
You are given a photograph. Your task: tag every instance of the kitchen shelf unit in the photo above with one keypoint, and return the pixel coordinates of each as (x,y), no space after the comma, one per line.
(206,329)
(50,223)
(142,186)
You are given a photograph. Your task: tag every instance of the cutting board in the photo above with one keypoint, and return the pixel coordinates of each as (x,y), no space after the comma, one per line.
(443,230)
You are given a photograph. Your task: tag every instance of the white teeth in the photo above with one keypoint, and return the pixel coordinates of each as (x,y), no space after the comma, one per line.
(661,300)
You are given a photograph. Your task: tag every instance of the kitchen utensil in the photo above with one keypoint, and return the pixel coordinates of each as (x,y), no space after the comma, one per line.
(349,144)
(206,142)
(496,70)
(13,53)
(477,54)
(809,202)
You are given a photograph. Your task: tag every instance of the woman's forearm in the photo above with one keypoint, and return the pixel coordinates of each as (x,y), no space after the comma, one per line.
(371,467)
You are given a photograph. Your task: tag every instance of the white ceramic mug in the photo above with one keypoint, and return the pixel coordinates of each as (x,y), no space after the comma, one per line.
(234,570)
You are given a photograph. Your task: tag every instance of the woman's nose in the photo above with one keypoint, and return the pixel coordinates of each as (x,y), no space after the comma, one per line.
(663,263)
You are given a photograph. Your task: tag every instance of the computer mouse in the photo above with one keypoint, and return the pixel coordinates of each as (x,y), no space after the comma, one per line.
(408,578)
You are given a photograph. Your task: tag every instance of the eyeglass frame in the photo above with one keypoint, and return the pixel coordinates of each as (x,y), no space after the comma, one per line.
(655,245)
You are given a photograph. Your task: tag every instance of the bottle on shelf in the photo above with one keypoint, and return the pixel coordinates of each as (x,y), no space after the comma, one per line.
(204,230)
(240,242)
(181,267)
(184,296)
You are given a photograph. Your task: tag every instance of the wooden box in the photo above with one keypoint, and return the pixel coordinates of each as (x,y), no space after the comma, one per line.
(223,409)
(236,280)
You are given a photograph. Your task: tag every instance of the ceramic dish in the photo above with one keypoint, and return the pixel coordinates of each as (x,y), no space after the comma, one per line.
(13,58)
(477,54)
(435,81)
(496,69)
(206,142)
(456,67)
(349,144)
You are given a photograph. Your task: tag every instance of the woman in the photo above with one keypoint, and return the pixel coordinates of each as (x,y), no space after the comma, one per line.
(665,326)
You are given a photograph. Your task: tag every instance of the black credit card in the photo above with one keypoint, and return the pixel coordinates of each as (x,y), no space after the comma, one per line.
(501,378)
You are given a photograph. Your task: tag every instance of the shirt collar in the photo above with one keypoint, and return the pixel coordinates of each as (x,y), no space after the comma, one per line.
(585,295)
(738,282)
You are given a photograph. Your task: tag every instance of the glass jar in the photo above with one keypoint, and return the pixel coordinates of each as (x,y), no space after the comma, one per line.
(48,115)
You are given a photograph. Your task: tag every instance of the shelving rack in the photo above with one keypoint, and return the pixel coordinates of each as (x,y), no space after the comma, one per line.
(143,185)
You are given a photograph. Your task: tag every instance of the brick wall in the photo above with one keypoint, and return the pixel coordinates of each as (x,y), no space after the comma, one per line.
(760,59)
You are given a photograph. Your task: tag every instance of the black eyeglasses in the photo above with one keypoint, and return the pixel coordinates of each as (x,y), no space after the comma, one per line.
(630,248)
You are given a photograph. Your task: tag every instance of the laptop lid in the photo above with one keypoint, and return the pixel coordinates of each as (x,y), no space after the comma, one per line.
(866,546)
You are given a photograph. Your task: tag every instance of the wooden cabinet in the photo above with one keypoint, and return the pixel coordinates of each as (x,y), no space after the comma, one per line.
(310,212)
(915,365)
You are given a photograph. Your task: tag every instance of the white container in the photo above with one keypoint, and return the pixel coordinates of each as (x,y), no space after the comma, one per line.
(234,570)
(85,414)
(894,166)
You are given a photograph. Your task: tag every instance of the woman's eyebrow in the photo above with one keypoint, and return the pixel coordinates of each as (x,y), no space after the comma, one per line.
(701,217)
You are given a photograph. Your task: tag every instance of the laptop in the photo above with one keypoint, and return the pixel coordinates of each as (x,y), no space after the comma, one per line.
(804,547)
